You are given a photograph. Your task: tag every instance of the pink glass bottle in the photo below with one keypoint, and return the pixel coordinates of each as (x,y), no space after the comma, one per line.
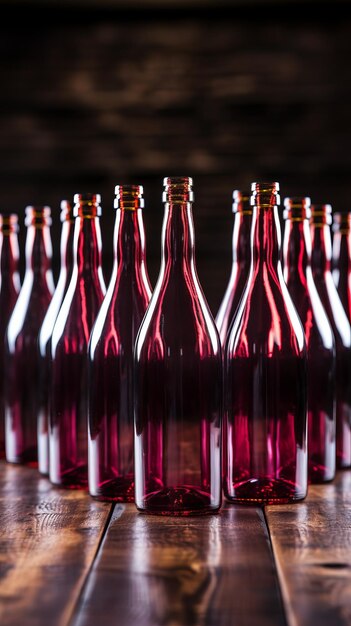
(321,219)
(22,372)
(321,355)
(341,258)
(241,250)
(9,289)
(45,333)
(265,375)
(111,348)
(178,378)
(68,426)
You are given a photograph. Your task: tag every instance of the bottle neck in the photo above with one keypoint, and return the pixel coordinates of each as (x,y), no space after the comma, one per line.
(87,246)
(297,250)
(266,238)
(9,254)
(178,236)
(321,249)
(241,248)
(66,245)
(38,250)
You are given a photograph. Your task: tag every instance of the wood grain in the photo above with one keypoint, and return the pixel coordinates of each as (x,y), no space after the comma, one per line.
(48,540)
(312,547)
(214,570)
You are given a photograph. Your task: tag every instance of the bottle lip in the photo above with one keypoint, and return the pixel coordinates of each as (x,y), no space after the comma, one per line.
(321,214)
(36,215)
(66,211)
(178,189)
(241,202)
(265,194)
(297,208)
(9,222)
(87,205)
(129,197)
(342,222)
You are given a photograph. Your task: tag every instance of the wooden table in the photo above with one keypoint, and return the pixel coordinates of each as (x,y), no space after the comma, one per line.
(68,560)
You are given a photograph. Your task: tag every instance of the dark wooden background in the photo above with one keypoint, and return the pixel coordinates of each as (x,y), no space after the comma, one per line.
(104,92)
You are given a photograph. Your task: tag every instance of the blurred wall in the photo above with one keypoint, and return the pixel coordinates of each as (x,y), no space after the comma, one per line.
(91,98)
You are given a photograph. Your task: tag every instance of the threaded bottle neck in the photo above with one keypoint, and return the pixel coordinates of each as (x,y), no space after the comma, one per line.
(66,214)
(241,202)
(265,195)
(129,197)
(38,216)
(87,205)
(341,223)
(178,190)
(297,209)
(9,223)
(321,215)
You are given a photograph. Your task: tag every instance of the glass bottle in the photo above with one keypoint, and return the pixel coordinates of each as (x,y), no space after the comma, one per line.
(319,336)
(45,333)
(321,219)
(341,258)
(241,251)
(68,427)
(265,375)
(110,350)
(22,372)
(178,378)
(10,285)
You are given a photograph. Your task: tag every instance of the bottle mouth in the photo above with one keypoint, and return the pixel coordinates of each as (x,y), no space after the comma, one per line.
(265,194)
(87,205)
(9,223)
(38,216)
(297,209)
(341,222)
(241,202)
(129,197)
(178,190)
(321,214)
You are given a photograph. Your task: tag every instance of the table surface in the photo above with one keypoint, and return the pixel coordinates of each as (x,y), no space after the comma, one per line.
(69,560)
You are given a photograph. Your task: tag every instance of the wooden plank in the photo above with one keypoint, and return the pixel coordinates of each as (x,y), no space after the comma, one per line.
(213,570)
(48,540)
(312,546)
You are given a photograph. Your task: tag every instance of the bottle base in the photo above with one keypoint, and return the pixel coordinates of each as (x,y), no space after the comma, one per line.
(178,501)
(114,490)
(76,478)
(264,491)
(319,474)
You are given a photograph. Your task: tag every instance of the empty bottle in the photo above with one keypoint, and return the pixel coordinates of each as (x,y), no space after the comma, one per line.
(111,349)
(45,333)
(22,372)
(241,251)
(319,338)
(68,426)
(178,378)
(10,285)
(265,375)
(321,219)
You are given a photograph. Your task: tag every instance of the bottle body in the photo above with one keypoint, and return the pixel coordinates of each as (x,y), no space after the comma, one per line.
(68,438)
(321,269)
(22,373)
(178,379)
(241,250)
(45,333)
(110,352)
(9,290)
(321,355)
(265,376)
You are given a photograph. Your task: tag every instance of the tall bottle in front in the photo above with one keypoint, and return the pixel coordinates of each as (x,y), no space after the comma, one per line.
(178,378)
(68,427)
(265,375)
(241,251)
(321,361)
(320,222)
(22,372)
(10,285)
(45,334)
(110,351)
